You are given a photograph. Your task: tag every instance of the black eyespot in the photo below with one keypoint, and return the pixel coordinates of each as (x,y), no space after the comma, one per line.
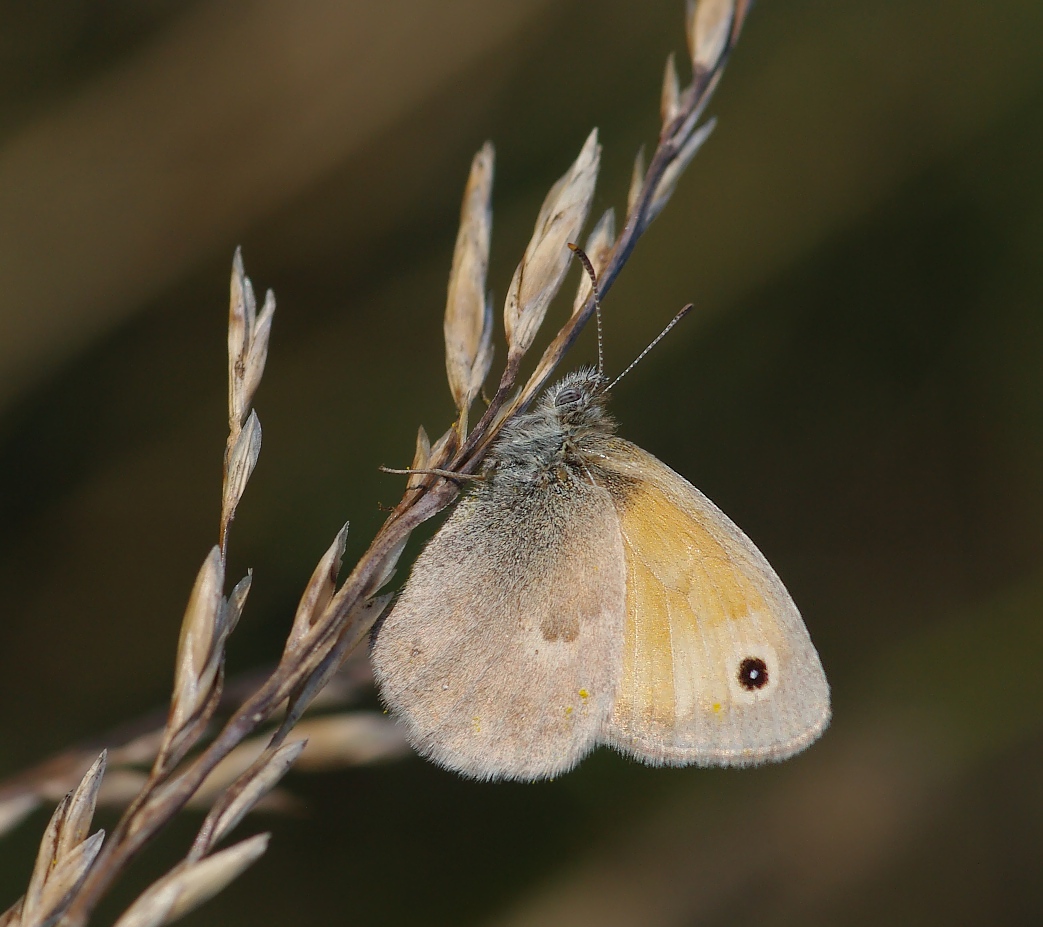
(569,396)
(753,674)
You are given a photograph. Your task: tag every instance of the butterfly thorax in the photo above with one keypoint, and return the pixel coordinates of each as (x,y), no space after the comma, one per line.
(560,439)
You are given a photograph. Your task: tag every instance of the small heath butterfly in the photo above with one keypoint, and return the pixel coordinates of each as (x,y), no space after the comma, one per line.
(583,593)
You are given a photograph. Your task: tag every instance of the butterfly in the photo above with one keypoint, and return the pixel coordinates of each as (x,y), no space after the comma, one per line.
(585,594)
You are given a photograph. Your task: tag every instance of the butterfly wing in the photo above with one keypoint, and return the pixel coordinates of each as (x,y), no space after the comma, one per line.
(502,653)
(718,667)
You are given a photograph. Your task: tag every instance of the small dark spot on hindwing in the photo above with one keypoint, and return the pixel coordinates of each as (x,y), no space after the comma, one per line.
(560,628)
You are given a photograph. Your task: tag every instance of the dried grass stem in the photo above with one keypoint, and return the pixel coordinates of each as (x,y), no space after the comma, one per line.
(331,622)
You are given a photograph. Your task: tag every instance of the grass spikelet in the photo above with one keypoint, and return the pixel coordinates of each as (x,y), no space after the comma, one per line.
(236,744)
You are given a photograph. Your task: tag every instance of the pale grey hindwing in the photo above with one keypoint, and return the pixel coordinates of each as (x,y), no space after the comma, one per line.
(502,653)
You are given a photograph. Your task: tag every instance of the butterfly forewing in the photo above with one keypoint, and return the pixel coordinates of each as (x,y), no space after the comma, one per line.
(718,667)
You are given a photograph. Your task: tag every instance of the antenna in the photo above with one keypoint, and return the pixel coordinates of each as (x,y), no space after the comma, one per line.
(677,318)
(585,261)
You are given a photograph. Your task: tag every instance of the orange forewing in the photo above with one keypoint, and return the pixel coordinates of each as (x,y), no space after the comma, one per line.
(700,600)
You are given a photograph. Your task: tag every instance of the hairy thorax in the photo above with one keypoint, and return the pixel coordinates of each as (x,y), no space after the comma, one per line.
(560,441)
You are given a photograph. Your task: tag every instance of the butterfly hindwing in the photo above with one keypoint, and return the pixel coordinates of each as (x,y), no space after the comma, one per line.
(502,653)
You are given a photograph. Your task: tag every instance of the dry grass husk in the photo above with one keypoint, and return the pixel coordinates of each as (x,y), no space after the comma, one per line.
(189,763)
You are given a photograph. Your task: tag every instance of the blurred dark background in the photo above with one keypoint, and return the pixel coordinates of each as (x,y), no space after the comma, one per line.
(861,389)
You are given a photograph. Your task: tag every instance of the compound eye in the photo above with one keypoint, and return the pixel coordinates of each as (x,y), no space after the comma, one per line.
(569,396)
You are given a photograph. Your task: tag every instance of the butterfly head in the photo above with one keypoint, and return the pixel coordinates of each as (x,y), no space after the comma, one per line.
(578,402)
